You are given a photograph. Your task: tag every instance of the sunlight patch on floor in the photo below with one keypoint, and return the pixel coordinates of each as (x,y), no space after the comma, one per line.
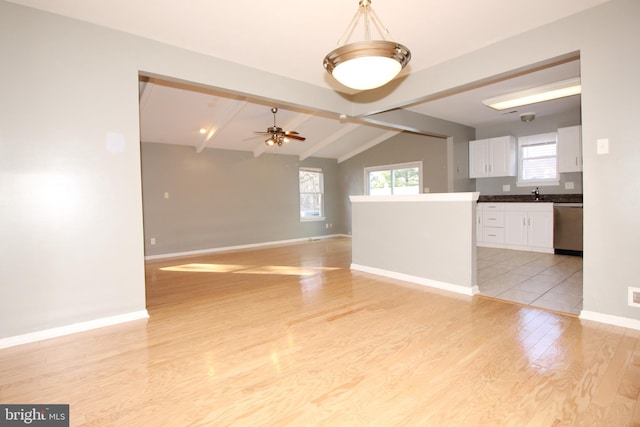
(250,269)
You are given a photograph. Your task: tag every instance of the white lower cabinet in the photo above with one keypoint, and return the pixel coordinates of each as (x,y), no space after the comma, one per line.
(523,226)
(516,228)
(540,233)
(490,223)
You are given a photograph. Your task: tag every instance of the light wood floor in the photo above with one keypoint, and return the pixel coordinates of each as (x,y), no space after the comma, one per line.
(289,336)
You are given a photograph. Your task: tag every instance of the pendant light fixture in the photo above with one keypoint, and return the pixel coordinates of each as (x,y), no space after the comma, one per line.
(370,63)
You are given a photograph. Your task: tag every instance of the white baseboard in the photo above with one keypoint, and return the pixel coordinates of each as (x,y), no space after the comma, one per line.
(72,329)
(459,289)
(241,247)
(515,247)
(610,319)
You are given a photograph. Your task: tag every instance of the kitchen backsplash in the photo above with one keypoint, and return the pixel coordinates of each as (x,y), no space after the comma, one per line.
(556,198)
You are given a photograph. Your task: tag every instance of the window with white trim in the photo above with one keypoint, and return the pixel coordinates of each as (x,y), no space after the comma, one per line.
(538,160)
(405,178)
(311,184)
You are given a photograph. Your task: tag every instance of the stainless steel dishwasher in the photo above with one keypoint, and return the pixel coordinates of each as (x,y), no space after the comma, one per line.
(567,228)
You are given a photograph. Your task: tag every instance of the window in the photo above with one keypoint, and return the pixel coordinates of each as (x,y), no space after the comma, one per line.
(404,178)
(537,156)
(311,194)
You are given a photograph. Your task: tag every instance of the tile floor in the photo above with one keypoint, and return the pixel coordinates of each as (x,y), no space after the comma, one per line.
(541,280)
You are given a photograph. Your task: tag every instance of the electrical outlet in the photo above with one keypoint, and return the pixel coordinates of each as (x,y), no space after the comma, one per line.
(569,185)
(166,194)
(153,240)
(506,188)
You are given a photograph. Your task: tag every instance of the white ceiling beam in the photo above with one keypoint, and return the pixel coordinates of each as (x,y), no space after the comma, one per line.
(317,146)
(297,121)
(232,112)
(374,142)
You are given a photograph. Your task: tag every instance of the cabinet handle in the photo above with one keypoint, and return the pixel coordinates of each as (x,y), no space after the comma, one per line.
(576,161)
(529,222)
(524,222)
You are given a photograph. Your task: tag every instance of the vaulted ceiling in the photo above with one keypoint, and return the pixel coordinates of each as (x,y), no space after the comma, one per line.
(290,38)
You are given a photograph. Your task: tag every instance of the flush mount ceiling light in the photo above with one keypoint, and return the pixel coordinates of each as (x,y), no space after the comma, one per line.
(539,94)
(370,63)
(527,117)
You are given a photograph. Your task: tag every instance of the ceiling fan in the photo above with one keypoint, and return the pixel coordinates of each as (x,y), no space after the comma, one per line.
(277,136)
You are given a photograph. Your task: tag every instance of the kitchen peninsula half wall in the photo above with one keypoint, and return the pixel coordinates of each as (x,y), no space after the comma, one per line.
(427,239)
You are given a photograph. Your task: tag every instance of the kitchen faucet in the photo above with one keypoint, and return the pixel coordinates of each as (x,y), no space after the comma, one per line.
(536,192)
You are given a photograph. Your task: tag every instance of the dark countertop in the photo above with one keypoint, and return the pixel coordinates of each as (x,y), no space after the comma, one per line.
(526,198)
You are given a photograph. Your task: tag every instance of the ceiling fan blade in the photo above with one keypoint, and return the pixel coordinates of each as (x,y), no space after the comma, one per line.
(292,132)
(299,138)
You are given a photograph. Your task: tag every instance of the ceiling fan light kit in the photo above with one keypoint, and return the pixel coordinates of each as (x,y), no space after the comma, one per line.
(539,94)
(278,136)
(370,63)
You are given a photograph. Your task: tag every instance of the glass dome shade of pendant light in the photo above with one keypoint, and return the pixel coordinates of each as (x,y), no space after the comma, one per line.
(370,63)
(367,73)
(367,64)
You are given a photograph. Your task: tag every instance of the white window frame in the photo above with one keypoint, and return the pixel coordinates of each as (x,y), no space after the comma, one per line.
(543,138)
(321,217)
(392,167)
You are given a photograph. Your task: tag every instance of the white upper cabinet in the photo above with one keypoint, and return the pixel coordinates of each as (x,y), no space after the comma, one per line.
(570,149)
(478,155)
(492,157)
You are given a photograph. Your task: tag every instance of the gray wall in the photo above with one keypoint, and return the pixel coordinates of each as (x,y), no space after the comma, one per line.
(457,135)
(70,158)
(71,217)
(71,242)
(220,198)
(402,148)
(407,236)
(493,186)
(607,39)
